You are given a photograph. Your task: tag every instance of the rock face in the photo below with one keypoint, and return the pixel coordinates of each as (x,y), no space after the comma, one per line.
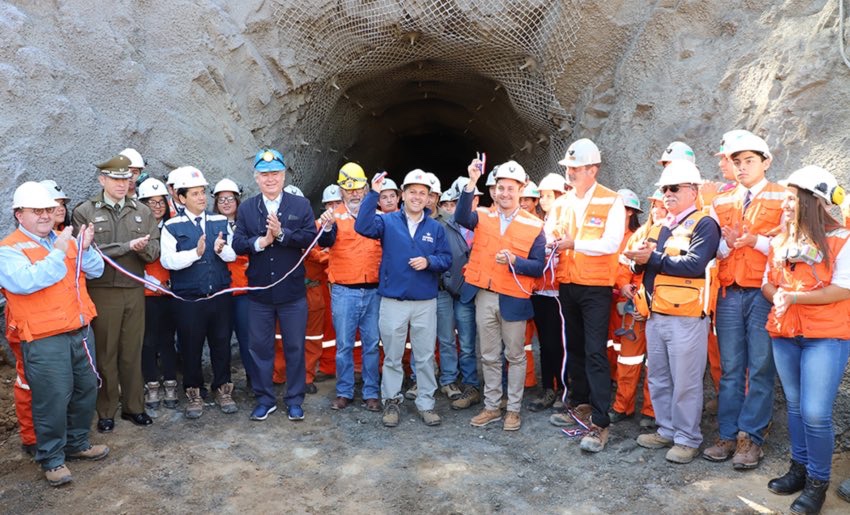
(394,85)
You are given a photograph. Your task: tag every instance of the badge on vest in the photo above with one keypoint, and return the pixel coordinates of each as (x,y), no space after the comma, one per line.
(594,221)
(99,219)
(688,224)
(427,237)
(138,219)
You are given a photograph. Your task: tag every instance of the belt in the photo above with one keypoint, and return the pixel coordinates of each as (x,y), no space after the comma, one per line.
(738,287)
(359,286)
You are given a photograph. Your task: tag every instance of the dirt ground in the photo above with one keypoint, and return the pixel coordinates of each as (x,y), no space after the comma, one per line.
(346,461)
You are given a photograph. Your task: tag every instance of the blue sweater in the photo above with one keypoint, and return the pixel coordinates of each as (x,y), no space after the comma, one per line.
(398,280)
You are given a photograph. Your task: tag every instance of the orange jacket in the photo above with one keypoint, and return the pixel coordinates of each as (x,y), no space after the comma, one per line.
(237,268)
(578,268)
(156,270)
(482,270)
(745,266)
(316,265)
(809,320)
(57,309)
(352,259)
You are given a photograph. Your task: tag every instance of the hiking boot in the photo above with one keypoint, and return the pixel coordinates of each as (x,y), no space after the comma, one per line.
(430,417)
(470,396)
(722,450)
(843,490)
(224,398)
(451,390)
(545,400)
(682,454)
(512,421)
(371,405)
(564,419)
(310,388)
(196,404)
(152,399)
(391,413)
(93,453)
(792,481)
(812,498)
(595,440)
(340,403)
(170,388)
(58,476)
(558,405)
(653,441)
(485,417)
(748,454)
(321,377)
(412,393)
(711,407)
(616,416)
(647,422)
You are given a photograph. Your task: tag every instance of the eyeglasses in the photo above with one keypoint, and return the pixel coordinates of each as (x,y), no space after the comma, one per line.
(156,203)
(42,210)
(674,188)
(226,200)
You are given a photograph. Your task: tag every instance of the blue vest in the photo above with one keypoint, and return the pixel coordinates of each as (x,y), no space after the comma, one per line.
(207,275)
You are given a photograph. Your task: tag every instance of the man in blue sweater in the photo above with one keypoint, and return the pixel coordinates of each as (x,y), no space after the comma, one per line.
(415,253)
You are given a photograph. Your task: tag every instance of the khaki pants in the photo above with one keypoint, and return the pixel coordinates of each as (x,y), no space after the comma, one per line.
(119,330)
(493,332)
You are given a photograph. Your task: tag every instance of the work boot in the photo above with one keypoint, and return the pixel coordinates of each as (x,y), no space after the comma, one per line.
(412,393)
(545,400)
(748,454)
(653,441)
(812,498)
(558,405)
(792,482)
(152,400)
(564,419)
(391,414)
(843,490)
(93,453)
(595,440)
(170,387)
(681,454)
(616,416)
(451,391)
(647,422)
(58,476)
(512,421)
(224,398)
(470,396)
(722,450)
(430,417)
(195,408)
(485,417)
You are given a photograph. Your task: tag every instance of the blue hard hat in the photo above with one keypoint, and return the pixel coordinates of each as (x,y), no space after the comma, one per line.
(269,160)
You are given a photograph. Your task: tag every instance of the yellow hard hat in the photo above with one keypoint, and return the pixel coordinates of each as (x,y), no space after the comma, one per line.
(351,177)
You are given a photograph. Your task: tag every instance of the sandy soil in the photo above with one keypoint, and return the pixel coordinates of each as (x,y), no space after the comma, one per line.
(346,461)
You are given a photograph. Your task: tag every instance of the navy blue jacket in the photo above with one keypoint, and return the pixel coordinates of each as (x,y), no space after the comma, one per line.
(512,309)
(398,280)
(453,280)
(298,230)
(207,275)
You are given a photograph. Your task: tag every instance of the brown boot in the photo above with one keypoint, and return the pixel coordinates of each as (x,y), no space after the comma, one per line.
(722,450)
(485,417)
(595,440)
(224,398)
(93,453)
(512,421)
(469,396)
(564,419)
(58,476)
(195,408)
(748,454)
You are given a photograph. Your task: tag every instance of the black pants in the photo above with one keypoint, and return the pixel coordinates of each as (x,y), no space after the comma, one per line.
(587,310)
(550,334)
(159,339)
(210,320)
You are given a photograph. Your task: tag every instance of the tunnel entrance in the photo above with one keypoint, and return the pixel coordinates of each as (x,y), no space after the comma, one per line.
(426,84)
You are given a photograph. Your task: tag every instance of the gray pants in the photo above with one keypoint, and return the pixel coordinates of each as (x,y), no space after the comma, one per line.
(677,348)
(64,389)
(395,317)
(494,330)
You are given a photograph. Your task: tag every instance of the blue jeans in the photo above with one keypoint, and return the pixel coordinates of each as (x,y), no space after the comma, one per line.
(240,327)
(466,331)
(745,357)
(446,338)
(354,308)
(810,370)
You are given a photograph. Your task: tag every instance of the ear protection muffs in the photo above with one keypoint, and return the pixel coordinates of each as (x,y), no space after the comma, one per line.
(834,196)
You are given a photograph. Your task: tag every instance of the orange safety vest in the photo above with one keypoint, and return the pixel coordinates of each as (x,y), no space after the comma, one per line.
(316,265)
(57,309)
(482,270)
(809,320)
(156,270)
(745,266)
(684,296)
(575,267)
(352,259)
(237,268)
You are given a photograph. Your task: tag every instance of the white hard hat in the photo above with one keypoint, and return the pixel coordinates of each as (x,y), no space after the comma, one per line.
(54,189)
(294,190)
(553,182)
(679,172)
(389,184)
(436,187)
(416,176)
(746,141)
(677,150)
(512,170)
(135,158)
(530,190)
(331,194)
(630,199)
(819,182)
(151,187)
(450,195)
(727,137)
(172,176)
(460,184)
(491,177)
(32,195)
(227,185)
(582,152)
(188,177)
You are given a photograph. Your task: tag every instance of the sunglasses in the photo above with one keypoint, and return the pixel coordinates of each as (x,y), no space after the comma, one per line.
(674,188)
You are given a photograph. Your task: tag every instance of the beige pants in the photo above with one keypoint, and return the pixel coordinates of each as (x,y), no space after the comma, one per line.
(493,332)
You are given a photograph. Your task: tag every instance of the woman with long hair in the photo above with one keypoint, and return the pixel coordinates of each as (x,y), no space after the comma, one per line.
(808,281)
(61,215)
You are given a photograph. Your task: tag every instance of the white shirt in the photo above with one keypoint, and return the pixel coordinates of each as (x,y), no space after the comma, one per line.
(762,242)
(171,259)
(412,224)
(615,225)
